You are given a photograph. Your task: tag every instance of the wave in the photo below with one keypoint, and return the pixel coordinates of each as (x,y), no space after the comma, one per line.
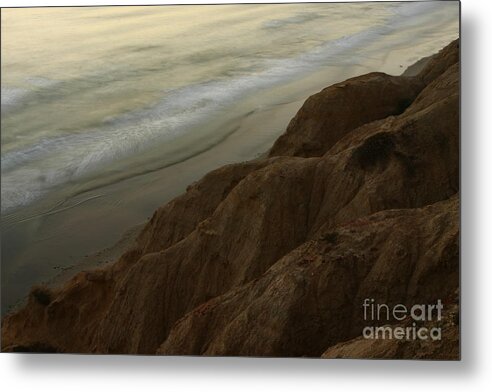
(12,97)
(31,172)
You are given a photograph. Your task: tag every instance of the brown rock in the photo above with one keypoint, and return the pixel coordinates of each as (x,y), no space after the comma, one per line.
(312,298)
(440,62)
(335,111)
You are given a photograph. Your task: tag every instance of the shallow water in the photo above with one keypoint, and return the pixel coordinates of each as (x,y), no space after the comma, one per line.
(109,112)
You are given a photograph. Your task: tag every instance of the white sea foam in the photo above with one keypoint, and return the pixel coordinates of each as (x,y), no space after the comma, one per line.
(12,96)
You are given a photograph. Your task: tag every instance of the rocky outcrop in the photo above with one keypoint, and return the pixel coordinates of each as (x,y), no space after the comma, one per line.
(337,110)
(273,256)
(311,298)
(332,113)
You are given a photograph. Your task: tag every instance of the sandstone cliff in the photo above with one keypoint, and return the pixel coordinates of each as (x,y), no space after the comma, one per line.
(273,257)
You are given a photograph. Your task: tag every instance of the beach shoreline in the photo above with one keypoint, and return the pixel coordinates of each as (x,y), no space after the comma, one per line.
(104,233)
(105,221)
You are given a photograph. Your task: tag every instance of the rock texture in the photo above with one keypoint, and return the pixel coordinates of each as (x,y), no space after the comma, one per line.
(311,298)
(274,256)
(332,113)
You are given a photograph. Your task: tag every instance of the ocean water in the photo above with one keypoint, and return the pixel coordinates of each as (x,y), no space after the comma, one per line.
(90,96)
